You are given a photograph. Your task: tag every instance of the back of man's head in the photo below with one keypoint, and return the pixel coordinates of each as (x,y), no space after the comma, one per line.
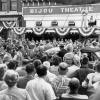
(74,85)
(36,63)
(12,64)
(41,71)
(47,64)
(11,77)
(29,68)
(85,61)
(63,67)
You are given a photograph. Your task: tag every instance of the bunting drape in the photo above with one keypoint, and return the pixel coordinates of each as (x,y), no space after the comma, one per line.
(19,30)
(86,31)
(39,30)
(62,31)
(9,24)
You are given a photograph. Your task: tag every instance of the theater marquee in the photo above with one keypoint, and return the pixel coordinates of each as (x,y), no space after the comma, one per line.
(50,10)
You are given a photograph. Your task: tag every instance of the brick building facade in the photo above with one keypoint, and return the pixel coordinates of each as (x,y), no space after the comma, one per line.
(10,16)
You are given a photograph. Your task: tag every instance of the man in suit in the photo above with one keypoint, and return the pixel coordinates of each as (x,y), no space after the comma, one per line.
(30,75)
(62,51)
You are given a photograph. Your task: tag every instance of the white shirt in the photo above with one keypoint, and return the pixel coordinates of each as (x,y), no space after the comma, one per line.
(51,76)
(95,77)
(39,89)
(14,93)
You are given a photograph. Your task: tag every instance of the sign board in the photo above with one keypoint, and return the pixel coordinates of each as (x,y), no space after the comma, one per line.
(68,9)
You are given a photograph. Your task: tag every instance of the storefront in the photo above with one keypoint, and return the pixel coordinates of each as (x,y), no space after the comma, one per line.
(54,20)
(62,19)
(8,22)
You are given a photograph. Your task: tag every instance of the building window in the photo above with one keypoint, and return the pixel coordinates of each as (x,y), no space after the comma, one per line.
(38,23)
(4,5)
(54,23)
(71,23)
(13,5)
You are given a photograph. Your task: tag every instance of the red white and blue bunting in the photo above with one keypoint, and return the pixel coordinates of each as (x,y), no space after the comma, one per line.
(39,30)
(86,31)
(9,24)
(1,28)
(62,31)
(19,30)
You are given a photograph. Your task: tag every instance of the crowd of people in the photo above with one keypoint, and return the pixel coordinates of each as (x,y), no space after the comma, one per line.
(33,70)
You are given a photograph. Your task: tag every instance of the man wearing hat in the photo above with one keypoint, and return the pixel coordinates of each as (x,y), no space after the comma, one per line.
(60,83)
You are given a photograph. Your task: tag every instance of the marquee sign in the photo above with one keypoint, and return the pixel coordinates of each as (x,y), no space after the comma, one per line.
(68,9)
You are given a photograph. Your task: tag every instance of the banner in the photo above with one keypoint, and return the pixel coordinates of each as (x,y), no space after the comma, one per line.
(66,9)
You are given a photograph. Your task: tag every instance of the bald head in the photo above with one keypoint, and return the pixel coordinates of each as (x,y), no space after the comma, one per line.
(74,84)
(75,81)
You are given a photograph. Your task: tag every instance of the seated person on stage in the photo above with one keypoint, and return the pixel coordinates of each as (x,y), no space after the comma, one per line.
(74,86)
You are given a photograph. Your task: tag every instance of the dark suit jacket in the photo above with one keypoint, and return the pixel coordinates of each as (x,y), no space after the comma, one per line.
(61,53)
(23,81)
